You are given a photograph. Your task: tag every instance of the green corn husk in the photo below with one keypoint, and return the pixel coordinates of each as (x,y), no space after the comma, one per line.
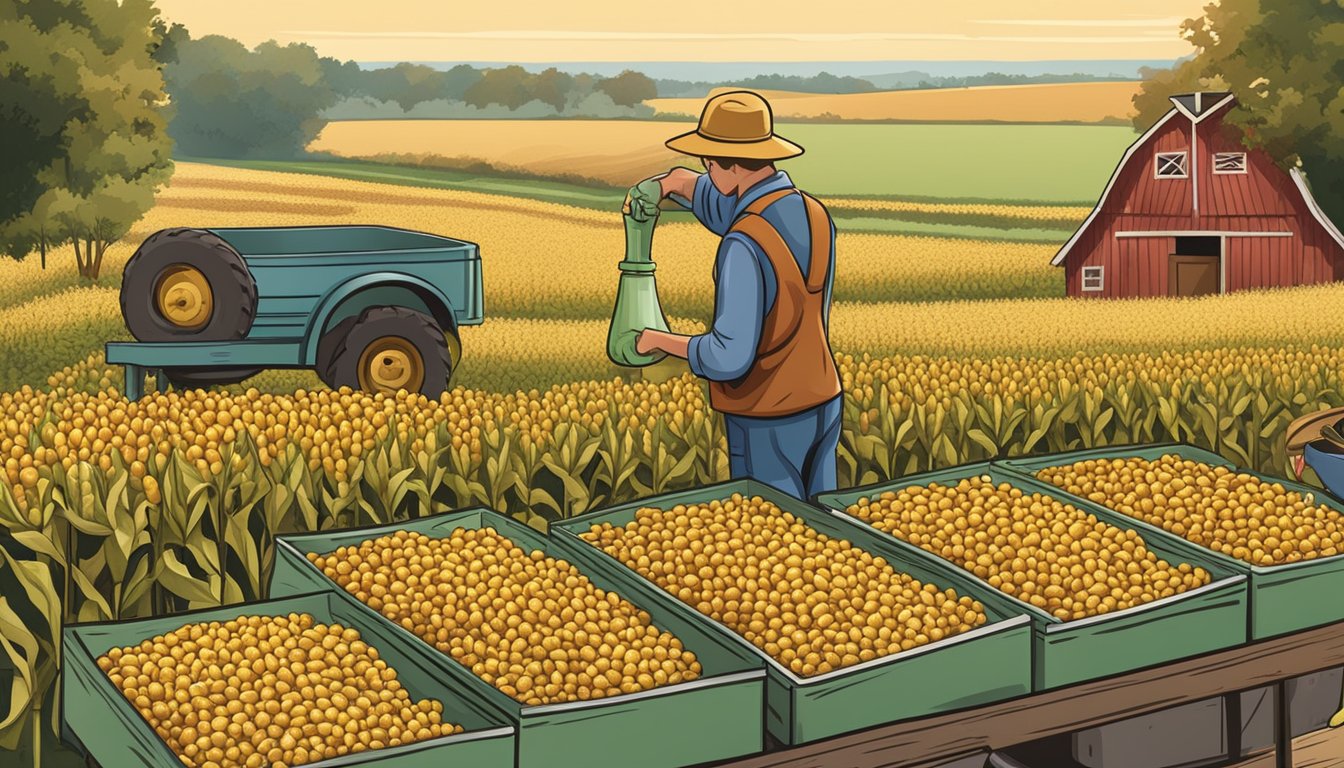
(637,305)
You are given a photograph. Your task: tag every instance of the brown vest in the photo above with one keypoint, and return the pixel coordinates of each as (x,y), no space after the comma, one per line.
(794,369)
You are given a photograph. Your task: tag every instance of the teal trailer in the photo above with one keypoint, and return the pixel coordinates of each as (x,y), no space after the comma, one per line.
(368,307)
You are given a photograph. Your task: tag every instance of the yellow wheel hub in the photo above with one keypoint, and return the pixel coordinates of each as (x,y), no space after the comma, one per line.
(183,297)
(389,364)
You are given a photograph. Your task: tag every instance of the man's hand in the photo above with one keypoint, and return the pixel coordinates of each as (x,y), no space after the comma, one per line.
(651,340)
(646,342)
(641,202)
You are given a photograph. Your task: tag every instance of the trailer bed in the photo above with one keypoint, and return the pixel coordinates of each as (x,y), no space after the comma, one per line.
(945,739)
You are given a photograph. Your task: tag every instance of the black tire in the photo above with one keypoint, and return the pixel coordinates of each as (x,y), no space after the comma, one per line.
(347,342)
(328,345)
(208,378)
(232,288)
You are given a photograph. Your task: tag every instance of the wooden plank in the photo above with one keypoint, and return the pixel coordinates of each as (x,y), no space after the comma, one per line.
(259,354)
(1065,710)
(1252,264)
(1318,749)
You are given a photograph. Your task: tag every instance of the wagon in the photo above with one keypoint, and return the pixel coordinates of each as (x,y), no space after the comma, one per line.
(366,307)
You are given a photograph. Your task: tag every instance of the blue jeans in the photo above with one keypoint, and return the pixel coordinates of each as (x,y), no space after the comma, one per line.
(795,454)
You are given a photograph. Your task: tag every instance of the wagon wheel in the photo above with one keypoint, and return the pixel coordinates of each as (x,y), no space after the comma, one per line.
(187,285)
(386,349)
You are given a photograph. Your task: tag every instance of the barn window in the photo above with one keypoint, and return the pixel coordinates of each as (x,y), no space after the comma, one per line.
(1229,162)
(1172,165)
(1093,278)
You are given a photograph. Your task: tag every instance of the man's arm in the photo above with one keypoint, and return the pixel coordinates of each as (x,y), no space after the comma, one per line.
(728,351)
(679,181)
(693,190)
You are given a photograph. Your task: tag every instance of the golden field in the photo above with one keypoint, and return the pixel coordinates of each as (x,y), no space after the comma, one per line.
(1037,103)
(544,330)
(539,426)
(520,240)
(619,152)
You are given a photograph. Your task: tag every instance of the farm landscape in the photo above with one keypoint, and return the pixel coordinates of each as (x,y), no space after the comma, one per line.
(953,337)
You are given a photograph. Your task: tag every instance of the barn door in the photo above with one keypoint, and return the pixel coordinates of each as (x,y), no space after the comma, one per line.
(1192,275)
(1195,267)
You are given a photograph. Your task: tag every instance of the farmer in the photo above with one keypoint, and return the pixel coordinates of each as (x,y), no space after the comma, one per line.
(768,356)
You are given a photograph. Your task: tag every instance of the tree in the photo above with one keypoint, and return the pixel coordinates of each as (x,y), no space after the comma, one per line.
(628,88)
(552,87)
(509,86)
(35,99)
(343,77)
(232,102)
(457,80)
(406,84)
(92,62)
(1284,61)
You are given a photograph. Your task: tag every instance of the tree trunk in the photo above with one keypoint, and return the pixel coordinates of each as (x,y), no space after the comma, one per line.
(42,248)
(98,260)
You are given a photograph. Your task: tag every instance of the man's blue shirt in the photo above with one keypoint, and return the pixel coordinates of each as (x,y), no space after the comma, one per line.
(745,281)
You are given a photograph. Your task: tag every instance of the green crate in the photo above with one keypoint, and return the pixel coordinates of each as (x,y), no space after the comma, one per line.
(987,664)
(1185,625)
(719,715)
(1283,598)
(98,720)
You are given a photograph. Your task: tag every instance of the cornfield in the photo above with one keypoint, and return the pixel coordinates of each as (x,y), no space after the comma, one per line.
(112,509)
(1069,213)
(1062,217)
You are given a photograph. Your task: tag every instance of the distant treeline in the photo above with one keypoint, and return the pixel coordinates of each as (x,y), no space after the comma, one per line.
(823,82)
(896,81)
(415,90)
(272,100)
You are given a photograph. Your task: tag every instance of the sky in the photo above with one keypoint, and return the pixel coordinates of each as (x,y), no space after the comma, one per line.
(631,30)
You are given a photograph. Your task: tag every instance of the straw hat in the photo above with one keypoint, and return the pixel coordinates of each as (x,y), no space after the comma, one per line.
(736,124)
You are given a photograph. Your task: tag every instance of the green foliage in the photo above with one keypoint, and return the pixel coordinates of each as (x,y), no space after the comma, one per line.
(628,88)
(232,102)
(1153,99)
(83,96)
(508,86)
(406,84)
(1284,61)
(822,82)
(553,87)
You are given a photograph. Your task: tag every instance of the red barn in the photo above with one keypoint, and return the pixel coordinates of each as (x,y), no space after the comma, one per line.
(1190,211)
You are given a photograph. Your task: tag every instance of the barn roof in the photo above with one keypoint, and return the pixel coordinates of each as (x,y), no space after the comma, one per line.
(1315,207)
(1197,107)
(1119,168)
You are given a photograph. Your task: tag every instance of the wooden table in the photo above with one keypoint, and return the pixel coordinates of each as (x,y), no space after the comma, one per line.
(928,742)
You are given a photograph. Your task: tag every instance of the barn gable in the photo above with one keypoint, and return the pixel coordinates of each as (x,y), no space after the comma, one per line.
(1261,198)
